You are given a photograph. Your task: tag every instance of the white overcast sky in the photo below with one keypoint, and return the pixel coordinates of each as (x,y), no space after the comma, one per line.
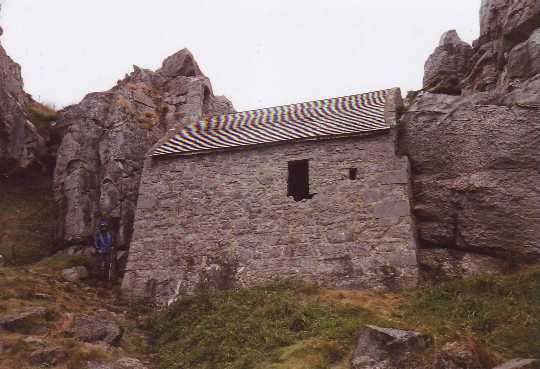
(257,53)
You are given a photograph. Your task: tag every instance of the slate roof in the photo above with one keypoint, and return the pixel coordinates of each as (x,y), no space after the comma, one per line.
(340,116)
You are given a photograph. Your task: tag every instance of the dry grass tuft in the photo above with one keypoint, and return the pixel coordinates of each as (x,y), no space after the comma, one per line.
(41,112)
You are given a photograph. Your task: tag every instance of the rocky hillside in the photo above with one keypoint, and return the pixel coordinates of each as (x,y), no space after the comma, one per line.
(105,138)
(473,137)
(49,319)
(53,315)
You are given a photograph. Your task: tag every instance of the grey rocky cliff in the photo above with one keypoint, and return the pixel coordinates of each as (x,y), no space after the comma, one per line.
(503,25)
(106,136)
(22,145)
(475,156)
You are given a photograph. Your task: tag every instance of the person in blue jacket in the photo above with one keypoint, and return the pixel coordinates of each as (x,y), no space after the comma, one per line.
(103,243)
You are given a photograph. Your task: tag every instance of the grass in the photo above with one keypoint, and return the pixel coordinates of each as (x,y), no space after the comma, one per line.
(25,215)
(293,325)
(261,327)
(503,313)
(41,112)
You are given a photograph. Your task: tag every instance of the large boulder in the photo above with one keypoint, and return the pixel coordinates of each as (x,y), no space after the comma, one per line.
(106,136)
(475,171)
(446,68)
(475,157)
(88,328)
(387,348)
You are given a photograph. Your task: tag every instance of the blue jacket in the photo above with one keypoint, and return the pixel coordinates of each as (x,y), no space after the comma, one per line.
(103,242)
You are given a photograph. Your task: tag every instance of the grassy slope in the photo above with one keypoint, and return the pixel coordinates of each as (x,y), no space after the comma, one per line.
(25,218)
(297,326)
(40,285)
(503,313)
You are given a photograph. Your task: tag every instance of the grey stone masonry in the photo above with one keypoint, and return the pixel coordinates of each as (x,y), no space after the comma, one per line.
(224,219)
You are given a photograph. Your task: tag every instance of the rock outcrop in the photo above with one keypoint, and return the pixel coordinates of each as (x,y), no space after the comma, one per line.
(23,144)
(448,65)
(106,136)
(503,25)
(475,157)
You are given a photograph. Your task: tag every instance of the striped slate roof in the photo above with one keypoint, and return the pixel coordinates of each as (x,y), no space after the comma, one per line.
(310,120)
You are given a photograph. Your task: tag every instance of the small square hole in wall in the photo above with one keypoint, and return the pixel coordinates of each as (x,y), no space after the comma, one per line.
(353,174)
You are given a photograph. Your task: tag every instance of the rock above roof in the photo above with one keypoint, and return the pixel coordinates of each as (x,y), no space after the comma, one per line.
(329,118)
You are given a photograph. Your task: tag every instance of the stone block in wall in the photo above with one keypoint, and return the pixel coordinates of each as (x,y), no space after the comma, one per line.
(392,209)
(339,236)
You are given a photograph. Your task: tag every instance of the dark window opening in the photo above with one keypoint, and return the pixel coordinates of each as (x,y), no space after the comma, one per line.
(353,174)
(298,184)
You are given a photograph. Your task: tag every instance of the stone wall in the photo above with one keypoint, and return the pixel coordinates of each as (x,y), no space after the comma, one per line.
(224,219)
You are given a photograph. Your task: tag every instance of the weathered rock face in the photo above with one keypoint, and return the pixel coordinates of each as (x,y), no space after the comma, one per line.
(503,25)
(21,144)
(447,66)
(106,136)
(475,172)
(475,157)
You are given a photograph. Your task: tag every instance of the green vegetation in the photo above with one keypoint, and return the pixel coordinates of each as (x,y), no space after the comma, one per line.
(293,325)
(502,313)
(25,215)
(258,327)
